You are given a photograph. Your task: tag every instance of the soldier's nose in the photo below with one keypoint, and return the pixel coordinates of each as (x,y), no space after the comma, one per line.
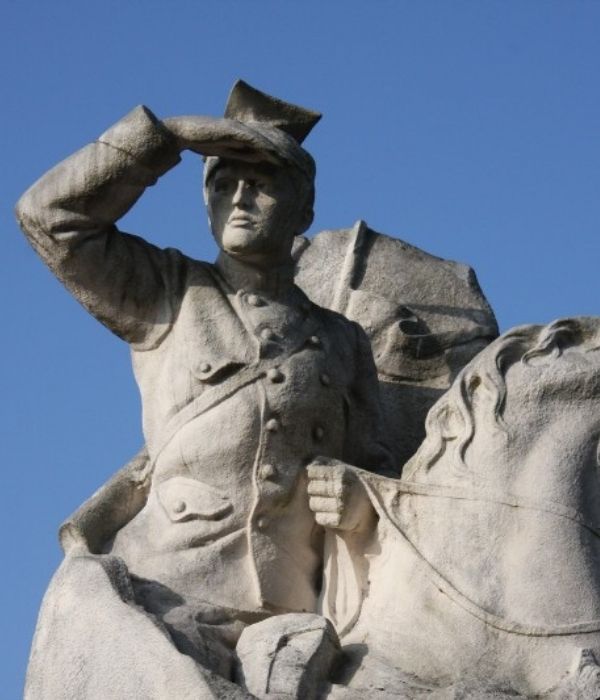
(241,196)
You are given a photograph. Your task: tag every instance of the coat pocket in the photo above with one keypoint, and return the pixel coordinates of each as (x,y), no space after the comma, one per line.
(188,499)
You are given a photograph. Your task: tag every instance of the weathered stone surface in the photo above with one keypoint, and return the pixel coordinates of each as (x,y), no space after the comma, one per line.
(425,317)
(95,643)
(288,656)
(483,559)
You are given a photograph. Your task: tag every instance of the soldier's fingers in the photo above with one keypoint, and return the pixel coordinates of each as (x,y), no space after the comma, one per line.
(328,519)
(318,471)
(319,487)
(324,505)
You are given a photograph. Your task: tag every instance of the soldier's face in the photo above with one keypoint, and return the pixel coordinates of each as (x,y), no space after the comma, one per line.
(254,211)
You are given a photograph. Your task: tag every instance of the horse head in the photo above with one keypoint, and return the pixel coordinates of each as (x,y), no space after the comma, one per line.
(512,454)
(535,386)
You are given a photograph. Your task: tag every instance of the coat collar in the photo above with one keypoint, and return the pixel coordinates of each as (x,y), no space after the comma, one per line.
(274,282)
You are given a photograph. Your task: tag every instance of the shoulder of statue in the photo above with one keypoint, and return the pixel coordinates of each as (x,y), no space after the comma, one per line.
(196,271)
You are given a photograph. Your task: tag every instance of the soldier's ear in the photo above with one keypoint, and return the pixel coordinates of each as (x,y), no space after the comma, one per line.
(305,219)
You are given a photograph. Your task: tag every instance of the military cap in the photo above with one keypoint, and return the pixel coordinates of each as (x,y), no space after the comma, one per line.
(247,104)
(282,124)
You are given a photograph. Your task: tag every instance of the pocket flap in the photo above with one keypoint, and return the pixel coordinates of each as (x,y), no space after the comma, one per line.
(214,369)
(188,499)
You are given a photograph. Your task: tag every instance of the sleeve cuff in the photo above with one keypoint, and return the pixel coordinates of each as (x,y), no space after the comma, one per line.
(142,136)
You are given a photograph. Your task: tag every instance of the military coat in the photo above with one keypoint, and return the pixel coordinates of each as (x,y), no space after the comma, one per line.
(243,382)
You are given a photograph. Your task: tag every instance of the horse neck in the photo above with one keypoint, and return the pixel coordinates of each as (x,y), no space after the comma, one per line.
(514,528)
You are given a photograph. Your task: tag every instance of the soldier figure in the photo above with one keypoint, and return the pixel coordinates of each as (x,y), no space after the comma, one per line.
(244,381)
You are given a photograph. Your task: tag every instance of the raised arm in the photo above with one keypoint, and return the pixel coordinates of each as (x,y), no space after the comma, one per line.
(69,217)
(69,214)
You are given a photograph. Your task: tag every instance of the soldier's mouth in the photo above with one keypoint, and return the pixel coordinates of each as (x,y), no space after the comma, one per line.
(241,221)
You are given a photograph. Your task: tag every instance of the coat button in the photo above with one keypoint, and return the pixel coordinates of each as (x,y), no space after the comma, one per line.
(272,425)
(254,300)
(262,522)
(318,432)
(267,471)
(315,341)
(179,506)
(275,375)
(306,306)
(325,379)
(205,367)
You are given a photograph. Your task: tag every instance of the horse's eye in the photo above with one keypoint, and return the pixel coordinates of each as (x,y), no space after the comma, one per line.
(474,382)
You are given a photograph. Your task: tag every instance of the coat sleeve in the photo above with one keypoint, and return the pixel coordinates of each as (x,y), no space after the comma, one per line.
(69,217)
(366,444)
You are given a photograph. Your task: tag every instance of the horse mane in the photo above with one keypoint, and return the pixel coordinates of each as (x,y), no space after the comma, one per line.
(451,418)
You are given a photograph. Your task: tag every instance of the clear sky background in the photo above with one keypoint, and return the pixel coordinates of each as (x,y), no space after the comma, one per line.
(470,129)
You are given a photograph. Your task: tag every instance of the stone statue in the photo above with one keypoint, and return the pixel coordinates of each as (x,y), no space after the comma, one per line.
(289,530)
(244,381)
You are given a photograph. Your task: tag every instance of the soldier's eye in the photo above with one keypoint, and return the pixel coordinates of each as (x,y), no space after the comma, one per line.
(255,184)
(222,184)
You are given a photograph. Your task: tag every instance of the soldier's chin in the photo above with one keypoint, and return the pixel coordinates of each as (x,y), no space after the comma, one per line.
(240,242)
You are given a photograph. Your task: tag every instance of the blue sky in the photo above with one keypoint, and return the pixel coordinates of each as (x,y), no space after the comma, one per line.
(470,129)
